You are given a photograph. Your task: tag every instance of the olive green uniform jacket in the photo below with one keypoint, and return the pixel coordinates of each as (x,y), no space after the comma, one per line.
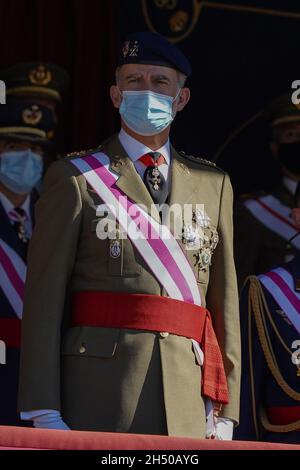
(107,379)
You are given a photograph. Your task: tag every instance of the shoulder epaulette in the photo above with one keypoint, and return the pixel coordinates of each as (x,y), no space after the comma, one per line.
(253,195)
(200,160)
(81,153)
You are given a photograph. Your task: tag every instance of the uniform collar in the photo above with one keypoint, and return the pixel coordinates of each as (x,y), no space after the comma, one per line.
(8,206)
(290,185)
(136,149)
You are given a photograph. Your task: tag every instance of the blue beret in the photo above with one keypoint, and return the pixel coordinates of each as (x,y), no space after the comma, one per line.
(25,120)
(151,48)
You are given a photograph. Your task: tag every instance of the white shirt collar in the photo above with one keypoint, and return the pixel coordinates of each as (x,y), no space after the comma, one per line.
(136,149)
(8,206)
(290,184)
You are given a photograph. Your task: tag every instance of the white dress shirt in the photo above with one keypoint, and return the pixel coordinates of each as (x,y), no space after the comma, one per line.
(290,185)
(136,149)
(8,207)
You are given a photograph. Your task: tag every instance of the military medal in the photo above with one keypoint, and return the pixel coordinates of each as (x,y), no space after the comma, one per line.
(155,178)
(22,234)
(201,237)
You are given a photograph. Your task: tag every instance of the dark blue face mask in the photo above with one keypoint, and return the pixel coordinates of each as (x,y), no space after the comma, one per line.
(289,156)
(20,170)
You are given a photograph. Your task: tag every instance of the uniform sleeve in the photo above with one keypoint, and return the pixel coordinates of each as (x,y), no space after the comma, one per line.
(247,242)
(254,373)
(51,258)
(222,301)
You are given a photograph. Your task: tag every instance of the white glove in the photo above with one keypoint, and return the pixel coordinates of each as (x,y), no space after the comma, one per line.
(224,429)
(45,419)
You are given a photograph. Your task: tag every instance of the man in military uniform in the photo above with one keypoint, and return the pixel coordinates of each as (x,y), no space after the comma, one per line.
(270,327)
(116,327)
(43,84)
(23,137)
(263,223)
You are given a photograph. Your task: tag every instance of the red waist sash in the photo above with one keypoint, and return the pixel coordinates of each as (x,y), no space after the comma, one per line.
(156,313)
(10,332)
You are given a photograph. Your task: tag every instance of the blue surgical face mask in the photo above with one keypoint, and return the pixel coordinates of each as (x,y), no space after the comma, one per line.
(146,112)
(20,170)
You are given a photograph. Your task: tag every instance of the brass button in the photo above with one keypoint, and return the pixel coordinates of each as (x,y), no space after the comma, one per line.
(82,349)
(164,334)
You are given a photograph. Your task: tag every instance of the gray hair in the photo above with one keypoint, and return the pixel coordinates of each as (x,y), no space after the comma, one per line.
(181,77)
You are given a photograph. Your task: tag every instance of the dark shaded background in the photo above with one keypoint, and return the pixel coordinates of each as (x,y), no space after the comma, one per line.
(243,53)
(79,35)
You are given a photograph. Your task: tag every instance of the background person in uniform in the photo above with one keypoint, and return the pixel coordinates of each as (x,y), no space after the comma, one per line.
(127,370)
(23,138)
(263,223)
(270,324)
(43,84)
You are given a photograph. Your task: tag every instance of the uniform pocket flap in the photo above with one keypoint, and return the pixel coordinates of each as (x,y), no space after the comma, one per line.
(90,342)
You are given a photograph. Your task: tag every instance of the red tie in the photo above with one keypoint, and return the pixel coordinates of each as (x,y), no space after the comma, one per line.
(152,159)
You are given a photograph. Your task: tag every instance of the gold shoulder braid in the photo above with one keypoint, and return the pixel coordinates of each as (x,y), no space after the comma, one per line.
(81,153)
(200,160)
(257,305)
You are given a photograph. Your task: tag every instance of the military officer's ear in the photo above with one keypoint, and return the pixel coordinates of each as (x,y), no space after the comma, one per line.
(115,96)
(182,99)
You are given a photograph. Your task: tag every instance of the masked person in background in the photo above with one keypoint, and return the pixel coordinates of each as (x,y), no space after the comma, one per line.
(43,84)
(263,222)
(23,138)
(270,331)
(112,325)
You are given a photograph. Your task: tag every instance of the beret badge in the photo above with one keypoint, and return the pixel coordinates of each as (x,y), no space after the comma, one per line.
(40,76)
(32,115)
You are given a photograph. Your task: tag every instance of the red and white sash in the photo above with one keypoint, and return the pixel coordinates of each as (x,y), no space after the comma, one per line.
(12,277)
(275,216)
(161,251)
(280,284)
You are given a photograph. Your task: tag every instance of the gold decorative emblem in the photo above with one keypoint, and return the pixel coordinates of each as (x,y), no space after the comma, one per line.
(40,76)
(169,4)
(173,19)
(125,49)
(178,21)
(32,115)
